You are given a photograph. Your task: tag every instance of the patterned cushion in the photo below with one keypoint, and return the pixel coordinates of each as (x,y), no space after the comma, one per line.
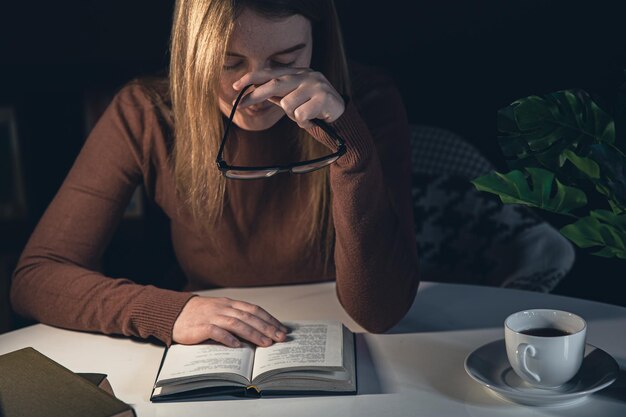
(464,235)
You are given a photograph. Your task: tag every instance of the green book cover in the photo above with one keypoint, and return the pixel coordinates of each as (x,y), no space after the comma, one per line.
(33,385)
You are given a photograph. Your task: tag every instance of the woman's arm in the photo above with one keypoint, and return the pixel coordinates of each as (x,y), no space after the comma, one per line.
(56,281)
(375,250)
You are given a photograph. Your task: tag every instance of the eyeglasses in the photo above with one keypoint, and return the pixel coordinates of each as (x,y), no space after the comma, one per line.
(303,167)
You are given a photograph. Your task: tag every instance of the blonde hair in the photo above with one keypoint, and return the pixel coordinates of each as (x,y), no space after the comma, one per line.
(200,34)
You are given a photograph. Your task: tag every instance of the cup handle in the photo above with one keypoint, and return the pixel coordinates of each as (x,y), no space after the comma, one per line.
(523,350)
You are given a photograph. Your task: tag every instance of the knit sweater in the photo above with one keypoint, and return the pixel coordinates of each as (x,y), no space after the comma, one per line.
(260,234)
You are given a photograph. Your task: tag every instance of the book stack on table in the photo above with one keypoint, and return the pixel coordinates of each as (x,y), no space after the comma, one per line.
(33,385)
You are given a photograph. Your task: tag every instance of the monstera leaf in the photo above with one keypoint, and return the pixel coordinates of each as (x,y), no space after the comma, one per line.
(602,228)
(540,189)
(561,148)
(612,182)
(587,166)
(547,131)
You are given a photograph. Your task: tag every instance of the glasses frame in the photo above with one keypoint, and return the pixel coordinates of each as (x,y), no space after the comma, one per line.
(225,167)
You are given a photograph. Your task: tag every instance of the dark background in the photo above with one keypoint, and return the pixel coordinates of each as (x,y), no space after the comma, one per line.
(456,63)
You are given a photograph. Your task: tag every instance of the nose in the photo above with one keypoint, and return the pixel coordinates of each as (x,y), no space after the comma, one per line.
(256,66)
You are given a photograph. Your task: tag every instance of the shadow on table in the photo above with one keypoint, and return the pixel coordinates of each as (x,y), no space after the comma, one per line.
(368,377)
(445,307)
(456,385)
(617,390)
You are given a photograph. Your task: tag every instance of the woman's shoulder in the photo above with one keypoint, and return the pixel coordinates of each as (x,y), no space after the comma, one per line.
(142,107)
(147,92)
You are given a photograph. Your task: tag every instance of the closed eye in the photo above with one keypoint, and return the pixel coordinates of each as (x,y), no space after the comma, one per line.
(232,66)
(282,64)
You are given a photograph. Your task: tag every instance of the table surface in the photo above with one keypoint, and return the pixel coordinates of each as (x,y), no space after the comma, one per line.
(415,369)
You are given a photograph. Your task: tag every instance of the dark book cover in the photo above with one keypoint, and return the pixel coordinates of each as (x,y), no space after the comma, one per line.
(33,385)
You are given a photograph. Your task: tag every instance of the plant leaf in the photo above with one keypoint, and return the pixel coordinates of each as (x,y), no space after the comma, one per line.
(612,163)
(606,216)
(601,228)
(586,165)
(543,190)
(538,129)
(606,253)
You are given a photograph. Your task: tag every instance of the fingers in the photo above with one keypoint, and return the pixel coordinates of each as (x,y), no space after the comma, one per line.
(314,108)
(264,75)
(274,84)
(226,321)
(302,93)
(274,88)
(302,115)
(245,330)
(222,336)
(261,313)
(253,328)
(291,105)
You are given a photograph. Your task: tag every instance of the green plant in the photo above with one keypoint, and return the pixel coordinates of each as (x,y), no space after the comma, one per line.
(563,159)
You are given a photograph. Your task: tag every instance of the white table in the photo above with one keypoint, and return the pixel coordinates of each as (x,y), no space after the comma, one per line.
(416,369)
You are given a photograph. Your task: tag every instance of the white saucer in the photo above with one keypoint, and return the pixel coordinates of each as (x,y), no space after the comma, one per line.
(490,366)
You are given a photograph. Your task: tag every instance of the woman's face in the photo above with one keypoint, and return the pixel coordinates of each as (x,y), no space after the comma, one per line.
(258,43)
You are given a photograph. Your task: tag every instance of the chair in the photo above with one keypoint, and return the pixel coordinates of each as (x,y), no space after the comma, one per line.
(465,235)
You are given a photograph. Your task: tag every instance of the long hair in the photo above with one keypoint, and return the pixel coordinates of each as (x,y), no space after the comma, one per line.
(200,34)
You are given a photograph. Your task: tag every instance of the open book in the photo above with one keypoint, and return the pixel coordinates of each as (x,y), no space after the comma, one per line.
(316,358)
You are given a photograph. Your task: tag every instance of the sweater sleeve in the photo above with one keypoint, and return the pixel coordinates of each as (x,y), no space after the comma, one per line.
(56,281)
(375,250)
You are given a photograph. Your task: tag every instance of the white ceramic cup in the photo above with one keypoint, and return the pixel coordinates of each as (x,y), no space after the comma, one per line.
(541,358)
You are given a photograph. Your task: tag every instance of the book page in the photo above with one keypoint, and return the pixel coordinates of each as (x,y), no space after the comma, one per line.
(188,361)
(309,344)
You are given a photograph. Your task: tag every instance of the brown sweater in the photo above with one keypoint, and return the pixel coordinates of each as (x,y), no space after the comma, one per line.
(375,260)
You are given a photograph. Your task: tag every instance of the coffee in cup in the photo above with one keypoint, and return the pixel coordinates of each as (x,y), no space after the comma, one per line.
(545,347)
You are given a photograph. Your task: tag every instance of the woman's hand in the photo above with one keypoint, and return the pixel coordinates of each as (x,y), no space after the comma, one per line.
(223,320)
(302,93)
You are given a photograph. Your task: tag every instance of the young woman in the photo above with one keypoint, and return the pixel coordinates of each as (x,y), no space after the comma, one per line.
(263,215)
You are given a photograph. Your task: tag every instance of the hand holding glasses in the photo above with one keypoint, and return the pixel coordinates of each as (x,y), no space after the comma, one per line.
(303,167)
